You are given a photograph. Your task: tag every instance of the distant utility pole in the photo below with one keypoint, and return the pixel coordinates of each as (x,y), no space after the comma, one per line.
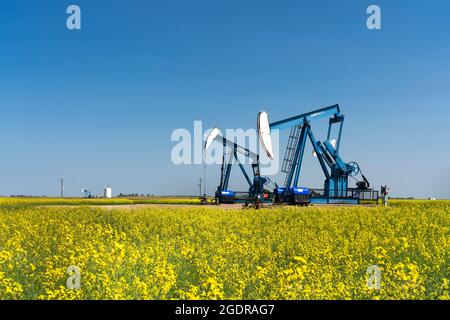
(62,187)
(204,179)
(200,186)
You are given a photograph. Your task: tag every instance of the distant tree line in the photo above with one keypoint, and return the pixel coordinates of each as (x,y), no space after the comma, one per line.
(402,198)
(127,195)
(25,196)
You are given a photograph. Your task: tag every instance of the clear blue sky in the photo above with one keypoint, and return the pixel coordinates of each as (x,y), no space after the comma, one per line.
(98,106)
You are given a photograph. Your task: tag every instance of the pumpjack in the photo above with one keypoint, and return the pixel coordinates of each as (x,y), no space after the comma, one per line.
(86,193)
(336,170)
(257,194)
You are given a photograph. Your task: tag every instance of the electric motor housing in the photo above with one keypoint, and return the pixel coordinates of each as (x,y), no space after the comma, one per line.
(225,196)
(280,195)
(299,196)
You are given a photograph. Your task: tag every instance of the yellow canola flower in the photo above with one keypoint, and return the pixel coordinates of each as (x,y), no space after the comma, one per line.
(211,253)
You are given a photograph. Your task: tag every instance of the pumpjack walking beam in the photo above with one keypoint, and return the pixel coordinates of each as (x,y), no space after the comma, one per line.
(304,118)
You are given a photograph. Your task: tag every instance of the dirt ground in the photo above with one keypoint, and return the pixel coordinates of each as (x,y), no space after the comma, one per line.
(159,205)
(222,207)
(140,206)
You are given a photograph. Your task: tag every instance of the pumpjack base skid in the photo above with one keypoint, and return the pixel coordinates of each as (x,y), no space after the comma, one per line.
(325,200)
(318,196)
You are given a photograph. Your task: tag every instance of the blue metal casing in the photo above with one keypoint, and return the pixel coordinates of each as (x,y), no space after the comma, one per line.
(302,191)
(227,193)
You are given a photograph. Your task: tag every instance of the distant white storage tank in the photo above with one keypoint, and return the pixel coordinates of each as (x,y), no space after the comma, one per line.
(108,193)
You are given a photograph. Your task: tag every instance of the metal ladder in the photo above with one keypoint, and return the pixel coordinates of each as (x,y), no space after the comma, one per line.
(289,155)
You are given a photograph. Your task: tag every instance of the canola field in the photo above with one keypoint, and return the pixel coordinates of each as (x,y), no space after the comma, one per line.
(19,201)
(209,253)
